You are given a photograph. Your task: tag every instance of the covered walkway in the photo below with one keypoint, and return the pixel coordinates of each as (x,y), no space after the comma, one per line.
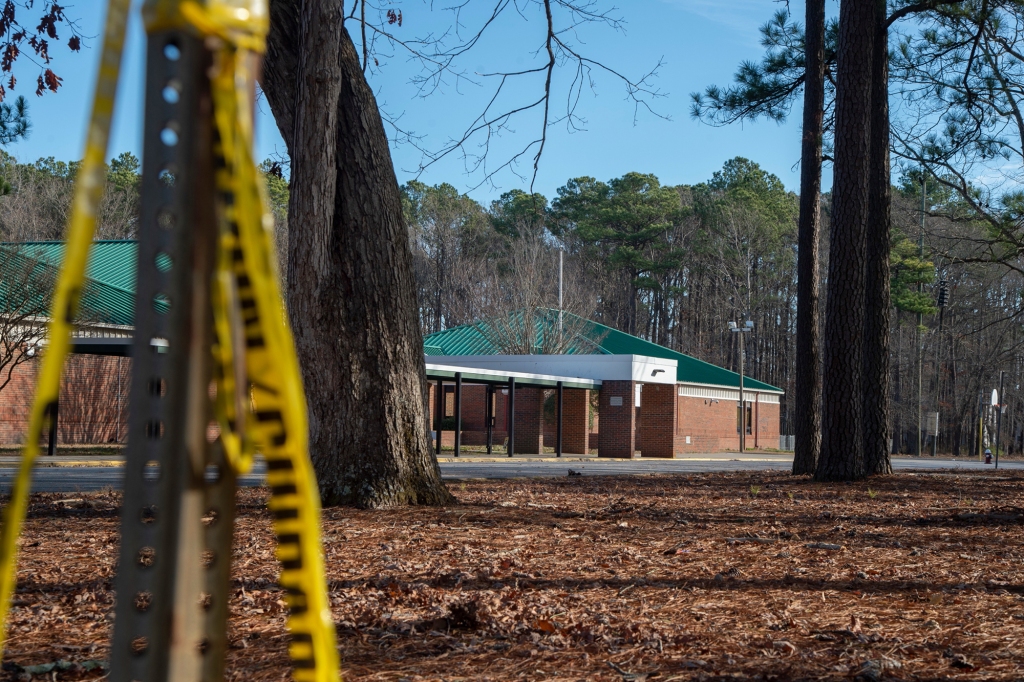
(529,385)
(479,397)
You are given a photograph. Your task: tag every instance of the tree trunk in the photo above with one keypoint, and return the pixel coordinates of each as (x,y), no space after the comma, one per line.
(807,414)
(877,303)
(350,284)
(842,447)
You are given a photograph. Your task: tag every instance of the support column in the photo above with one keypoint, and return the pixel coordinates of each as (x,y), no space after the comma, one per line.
(658,420)
(51,447)
(618,419)
(489,416)
(529,421)
(757,419)
(576,421)
(511,416)
(438,412)
(458,412)
(558,419)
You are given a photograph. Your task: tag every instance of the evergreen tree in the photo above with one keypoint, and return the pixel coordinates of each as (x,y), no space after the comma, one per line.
(625,220)
(794,60)
(517,214)
(14,121)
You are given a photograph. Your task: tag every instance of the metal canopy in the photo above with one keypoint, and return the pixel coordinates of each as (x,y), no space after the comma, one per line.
(497,377)
(594,338)
(99,345)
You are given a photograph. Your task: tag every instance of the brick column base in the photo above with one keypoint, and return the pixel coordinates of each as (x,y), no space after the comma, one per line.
(658,420)
(529,421)
(618,419)
(576,421)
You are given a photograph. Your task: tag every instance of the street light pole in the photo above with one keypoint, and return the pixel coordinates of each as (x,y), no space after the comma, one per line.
(981,425)
(561,349)
(748,326)
(999,416)
(943,300)
(920,317)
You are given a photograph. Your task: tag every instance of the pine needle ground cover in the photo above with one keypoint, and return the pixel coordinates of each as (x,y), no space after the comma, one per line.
(717,576)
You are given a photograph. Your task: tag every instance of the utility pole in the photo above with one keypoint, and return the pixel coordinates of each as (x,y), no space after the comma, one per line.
(943,300)
(981,424)
(920,316)
(748,326)
(999,416)
(561,252)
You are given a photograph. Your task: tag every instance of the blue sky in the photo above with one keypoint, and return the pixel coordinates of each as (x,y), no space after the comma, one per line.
(700,41)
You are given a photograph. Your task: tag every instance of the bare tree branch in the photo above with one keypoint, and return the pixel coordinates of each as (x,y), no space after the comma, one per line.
(439,55)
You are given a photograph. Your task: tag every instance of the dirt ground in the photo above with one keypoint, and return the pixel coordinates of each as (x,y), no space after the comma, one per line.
(716,576)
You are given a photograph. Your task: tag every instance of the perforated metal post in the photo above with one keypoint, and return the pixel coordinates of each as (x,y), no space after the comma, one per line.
(178,505)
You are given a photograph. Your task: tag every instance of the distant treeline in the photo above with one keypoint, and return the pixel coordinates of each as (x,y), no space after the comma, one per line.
(675,264)
(668,264)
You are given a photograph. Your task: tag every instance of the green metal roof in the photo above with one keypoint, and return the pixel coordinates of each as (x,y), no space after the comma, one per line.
(109,293)
(469,340)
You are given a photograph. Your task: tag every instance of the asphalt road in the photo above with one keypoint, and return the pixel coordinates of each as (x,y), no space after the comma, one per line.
(86,478)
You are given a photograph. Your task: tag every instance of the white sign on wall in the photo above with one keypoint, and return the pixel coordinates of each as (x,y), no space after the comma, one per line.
(615,401)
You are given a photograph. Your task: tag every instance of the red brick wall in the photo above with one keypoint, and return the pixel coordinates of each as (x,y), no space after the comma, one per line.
(529,421)
(93,401)
(432,404)
(767,421)
(638,433)
(618,422)
(709,422)
(474,399)
(15,403)
(575,427)
(575,423)
(711,425)
(658,420)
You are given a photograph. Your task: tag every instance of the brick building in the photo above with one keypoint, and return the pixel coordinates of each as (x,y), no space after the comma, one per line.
(619,395)
(645,399)
(93,401)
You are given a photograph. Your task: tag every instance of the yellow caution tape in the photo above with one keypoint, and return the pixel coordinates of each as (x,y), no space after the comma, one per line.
(88,192)
(254,349)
